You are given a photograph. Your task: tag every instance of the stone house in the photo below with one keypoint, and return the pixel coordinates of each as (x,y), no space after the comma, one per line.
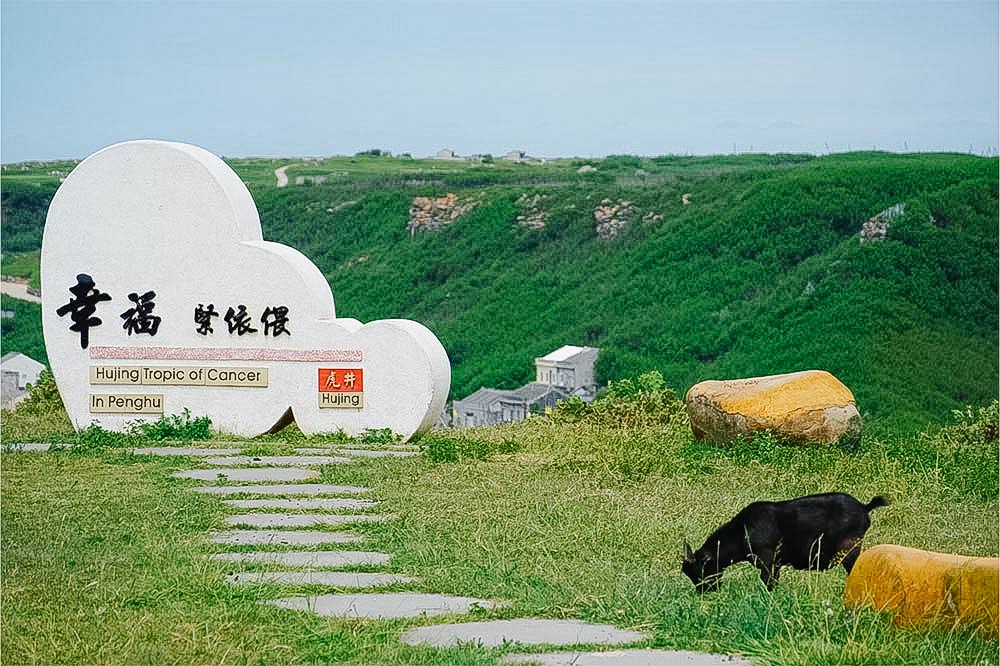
(565,372)
(569,367)
(489,406)
(445,154)
(18,370)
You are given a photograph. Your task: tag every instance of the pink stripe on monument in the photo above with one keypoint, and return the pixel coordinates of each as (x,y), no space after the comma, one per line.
(225,354)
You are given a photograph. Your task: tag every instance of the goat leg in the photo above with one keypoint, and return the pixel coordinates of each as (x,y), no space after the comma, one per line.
(768,566)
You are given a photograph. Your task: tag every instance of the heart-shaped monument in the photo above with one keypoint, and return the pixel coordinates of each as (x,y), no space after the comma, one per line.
(159,294)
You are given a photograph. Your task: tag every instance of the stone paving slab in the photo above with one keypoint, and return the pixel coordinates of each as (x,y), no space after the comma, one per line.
(281,537)
(302,519)
(626,658)
(524,631)
(385,605)
(250,474)
(35,447)
(284,489)
(330,578)
(348,450)
(183,451)
(371,453)
(329,503)
(327,559)
(278,461)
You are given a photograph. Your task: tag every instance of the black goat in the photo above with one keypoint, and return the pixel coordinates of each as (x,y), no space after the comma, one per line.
(812,532)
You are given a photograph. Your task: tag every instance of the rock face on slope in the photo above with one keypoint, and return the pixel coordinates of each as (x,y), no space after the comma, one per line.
(612,216)
(532,214)
(808,407)
(428,213)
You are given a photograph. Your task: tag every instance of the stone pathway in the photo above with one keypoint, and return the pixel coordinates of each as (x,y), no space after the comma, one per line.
(281,537)
(320,559)
(526,632)
(277,461)
(387,606)
(329,503)
(360,453)
(275,512)
(283,490)
(302,519)
(626,658)
(183,451)
(324,578)
(253,474)
(35,447)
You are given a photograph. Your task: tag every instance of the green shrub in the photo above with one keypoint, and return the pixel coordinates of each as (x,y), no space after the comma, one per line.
(95,438)
(175,426)
(967,457)
(974,427)
(626,403)
(43,396)
(378,436)
(453,446)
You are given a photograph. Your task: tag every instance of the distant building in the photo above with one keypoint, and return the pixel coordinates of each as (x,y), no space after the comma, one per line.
(489,406)
(565,372)
(516,155)
(9,393)
(570,367)
(445,154)
(18,370)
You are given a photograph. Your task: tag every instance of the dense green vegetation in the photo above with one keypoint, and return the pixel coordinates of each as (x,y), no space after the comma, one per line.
(24,203)
(577,515)
(22,332)
(761,272)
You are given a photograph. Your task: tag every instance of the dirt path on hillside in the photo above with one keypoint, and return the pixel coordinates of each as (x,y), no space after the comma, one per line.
(282,177)
(18,290)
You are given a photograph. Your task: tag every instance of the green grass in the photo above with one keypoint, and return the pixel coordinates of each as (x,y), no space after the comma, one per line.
(579,515)
(24,265)
(23,332)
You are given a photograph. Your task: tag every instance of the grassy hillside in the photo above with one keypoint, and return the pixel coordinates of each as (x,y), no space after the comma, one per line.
(760,272)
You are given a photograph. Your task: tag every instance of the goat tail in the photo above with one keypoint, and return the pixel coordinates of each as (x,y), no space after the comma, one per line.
(876,502)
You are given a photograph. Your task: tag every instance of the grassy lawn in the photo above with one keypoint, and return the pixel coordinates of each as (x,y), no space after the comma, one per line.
(583,517)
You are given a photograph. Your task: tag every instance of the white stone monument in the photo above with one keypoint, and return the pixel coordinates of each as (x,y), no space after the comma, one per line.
(160,295)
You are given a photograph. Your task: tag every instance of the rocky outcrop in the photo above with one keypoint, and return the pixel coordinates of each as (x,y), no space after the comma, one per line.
(805,407)
(428,213)
(612,216)
(876,227)
(532,215)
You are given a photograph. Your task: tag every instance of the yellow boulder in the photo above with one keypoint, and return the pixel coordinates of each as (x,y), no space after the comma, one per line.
(921,586)
(811,406)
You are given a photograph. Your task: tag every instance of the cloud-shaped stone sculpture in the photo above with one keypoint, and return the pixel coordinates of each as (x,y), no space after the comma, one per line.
(159,294)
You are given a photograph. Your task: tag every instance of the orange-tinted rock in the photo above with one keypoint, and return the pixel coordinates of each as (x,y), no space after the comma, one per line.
(811,406)
(921,586)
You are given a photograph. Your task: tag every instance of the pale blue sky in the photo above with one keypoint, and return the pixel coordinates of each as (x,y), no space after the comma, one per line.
(553,78)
